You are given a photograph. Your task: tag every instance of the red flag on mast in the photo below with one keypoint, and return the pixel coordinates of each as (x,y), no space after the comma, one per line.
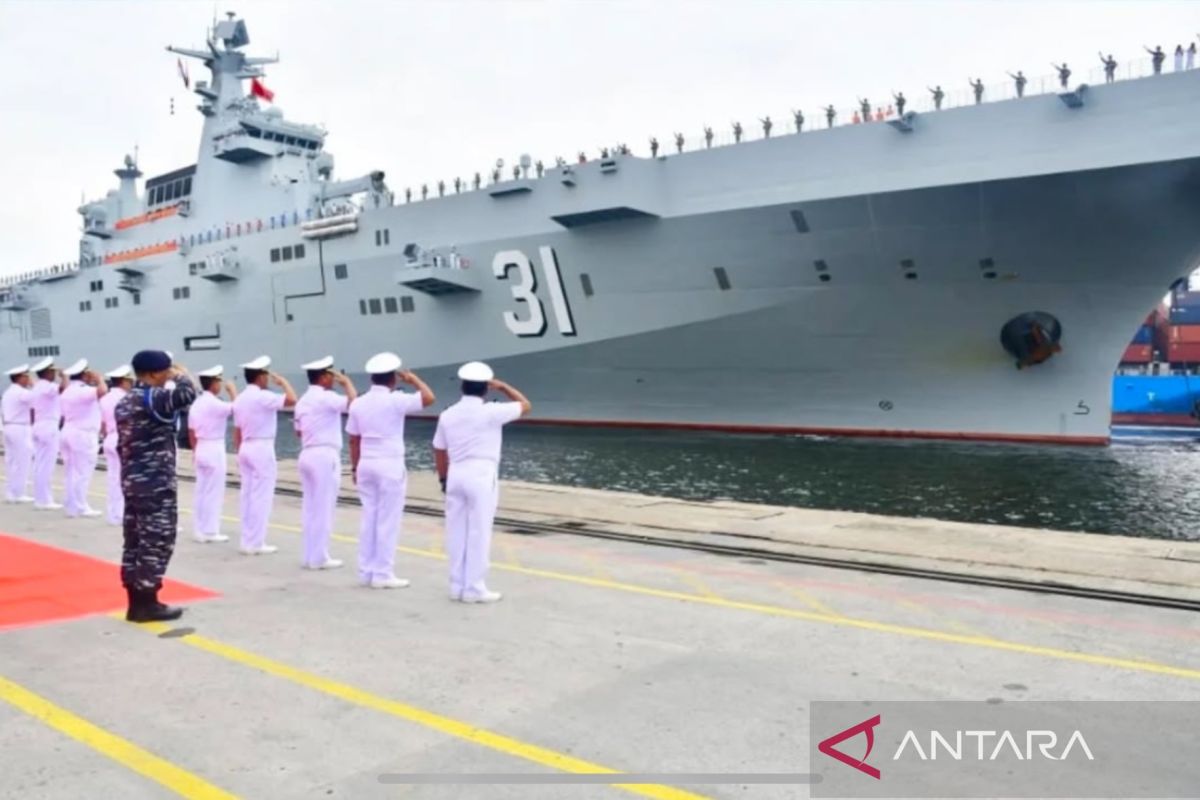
(258,90)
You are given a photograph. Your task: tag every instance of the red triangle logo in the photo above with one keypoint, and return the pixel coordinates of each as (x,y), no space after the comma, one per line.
(867,727)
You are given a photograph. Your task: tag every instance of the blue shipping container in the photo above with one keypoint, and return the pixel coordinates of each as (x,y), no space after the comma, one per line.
(1185,299)
(1154,394)
(1144,335)
(1184,315)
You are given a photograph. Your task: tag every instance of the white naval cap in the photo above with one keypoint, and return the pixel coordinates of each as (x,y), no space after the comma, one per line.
(19,369)
(476,371)
(76,368)
(260,363)
(382,363)
(123,371)
(45,363)
(211,372)
(320,363)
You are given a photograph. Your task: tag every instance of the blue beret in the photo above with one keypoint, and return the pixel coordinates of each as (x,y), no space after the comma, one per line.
(150,361)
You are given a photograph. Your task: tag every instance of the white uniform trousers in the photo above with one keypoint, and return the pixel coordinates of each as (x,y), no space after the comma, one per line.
(45,454)
(472,492)
(382,486)
(79,452)
(18,459)
(256,460)
(320,478)
(115,509)
(211,469)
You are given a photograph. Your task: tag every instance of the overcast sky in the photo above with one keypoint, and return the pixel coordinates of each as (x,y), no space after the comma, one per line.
(438,88)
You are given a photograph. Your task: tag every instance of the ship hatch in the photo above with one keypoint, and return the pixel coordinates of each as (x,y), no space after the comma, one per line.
(438,281)
(598,215)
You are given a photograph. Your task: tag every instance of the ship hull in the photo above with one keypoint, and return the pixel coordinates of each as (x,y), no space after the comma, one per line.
(758,300)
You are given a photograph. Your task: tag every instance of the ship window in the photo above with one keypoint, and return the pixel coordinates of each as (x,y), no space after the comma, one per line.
(187,185)
(339,272)
(378,238)
(586,281)
(291,140)
(376,306)
(825,278)
(820,266)
(274,254)
(387,236)
(722,277)
(406,304)
(85,305)
(181,292)
(286,253)
(137,298)
(389,305)
(170,192)
(299,251)
(362,307)
(191,269)
(800,223)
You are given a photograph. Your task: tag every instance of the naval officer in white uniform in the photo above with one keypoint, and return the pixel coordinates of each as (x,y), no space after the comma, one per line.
(255,422)
(376,428)
(318,421)
(16,411)
(120,381)
(47,415)
(208,419)
(466,448)
(80,403)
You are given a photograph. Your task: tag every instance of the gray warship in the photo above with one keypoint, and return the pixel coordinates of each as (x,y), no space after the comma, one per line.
(853,280)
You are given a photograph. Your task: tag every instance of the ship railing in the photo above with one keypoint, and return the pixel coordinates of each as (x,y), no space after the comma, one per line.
(919,99)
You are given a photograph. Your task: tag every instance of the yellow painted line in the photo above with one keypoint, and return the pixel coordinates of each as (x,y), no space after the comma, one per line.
(428,719)
(694,581)
(809,600)
(510,553)
(947,620)
(124,752)
(986,642)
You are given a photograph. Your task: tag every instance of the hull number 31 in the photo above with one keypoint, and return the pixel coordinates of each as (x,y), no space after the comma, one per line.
(525,292)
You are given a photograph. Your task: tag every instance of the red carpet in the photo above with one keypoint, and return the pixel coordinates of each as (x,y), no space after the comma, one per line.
(40,584)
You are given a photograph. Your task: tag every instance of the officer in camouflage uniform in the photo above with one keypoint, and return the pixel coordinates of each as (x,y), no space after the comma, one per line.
(146,446)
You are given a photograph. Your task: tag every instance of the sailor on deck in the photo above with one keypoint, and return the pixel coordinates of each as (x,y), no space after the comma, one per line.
(318,421)
(120,381)
(466,447)
(208,419)
(80,435)
(16,410)
(47,414)
(376,429)
(255,421)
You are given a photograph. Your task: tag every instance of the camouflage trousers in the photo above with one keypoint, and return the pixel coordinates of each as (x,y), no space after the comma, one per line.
(150,523)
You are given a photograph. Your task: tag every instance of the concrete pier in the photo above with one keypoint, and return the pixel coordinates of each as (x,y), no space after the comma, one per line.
(605,654)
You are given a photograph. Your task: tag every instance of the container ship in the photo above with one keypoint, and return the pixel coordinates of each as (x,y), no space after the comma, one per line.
(965,272)
(1158,381)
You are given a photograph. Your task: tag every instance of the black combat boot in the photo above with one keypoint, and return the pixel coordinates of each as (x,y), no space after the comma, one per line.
(144,607)
(162,610)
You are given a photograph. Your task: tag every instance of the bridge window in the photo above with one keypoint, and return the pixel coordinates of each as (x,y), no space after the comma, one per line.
(375,306)
(389,305)
(406,304)
(286,253)
(299,251)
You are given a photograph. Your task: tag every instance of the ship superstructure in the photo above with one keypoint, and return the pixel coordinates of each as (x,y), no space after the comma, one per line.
(849,281)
